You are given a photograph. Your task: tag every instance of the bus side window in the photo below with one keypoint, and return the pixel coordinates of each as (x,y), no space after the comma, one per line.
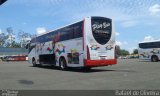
(71,32)
(78,30)
(67,33)
(158,44)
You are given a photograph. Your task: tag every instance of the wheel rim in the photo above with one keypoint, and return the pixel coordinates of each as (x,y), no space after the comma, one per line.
(154,59)
(34,62)
(62,64)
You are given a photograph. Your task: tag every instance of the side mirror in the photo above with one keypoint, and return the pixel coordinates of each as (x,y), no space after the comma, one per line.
(27,46)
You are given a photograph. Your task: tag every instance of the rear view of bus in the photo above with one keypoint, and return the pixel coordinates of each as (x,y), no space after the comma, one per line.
(99,42)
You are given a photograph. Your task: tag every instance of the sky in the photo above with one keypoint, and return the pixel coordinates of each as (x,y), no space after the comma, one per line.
(135,20)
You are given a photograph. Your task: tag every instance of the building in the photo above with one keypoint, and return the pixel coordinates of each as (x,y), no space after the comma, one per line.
(13,51)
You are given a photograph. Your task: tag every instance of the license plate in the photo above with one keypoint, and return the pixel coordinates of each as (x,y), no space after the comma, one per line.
(103,58)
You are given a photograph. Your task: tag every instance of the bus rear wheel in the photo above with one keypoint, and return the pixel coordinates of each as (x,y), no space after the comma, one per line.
(62,64)
(87,68)
(154,59)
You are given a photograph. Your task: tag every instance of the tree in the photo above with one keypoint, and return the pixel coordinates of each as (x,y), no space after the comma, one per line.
(16,44)
(118,50)
(11,37)
(124,52)
(3,38)
(8,39)
(135,51)
(121,52)
(24,38)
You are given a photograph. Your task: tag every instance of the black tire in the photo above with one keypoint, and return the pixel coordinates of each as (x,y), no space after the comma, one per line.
(154,59)
(62,64)
(34,62)
(87,68)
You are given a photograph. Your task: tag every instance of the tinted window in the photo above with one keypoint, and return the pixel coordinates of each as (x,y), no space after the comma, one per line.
(66,33)
(71,32)
(101,29)
(30,48)
(33,40)
(150,45)
(77,30)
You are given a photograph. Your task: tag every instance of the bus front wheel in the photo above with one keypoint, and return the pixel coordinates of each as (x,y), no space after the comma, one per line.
(62,64)
(34,62)
(154,58)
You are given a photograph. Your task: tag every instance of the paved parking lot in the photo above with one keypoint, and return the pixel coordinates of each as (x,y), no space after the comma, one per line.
(127,74)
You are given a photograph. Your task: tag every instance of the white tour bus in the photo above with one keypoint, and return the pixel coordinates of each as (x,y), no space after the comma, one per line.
(149,50)
(88,43)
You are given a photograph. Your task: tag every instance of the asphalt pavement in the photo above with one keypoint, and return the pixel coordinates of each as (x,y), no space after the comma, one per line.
(127,74)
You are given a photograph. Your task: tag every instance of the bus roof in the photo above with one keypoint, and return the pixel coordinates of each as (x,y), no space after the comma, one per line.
(150,41)
(66,25)
(60,27)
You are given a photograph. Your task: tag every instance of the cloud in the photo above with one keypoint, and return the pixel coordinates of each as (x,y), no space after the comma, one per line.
(11,37)
(148,38)
(125,42)
(129,23)
(117,33)
(155,9)
(40,30)
(24,23)
(118,43)
(28,39)
(136,41)
(131,49)
(121,43)
(118,10)
(102,11)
